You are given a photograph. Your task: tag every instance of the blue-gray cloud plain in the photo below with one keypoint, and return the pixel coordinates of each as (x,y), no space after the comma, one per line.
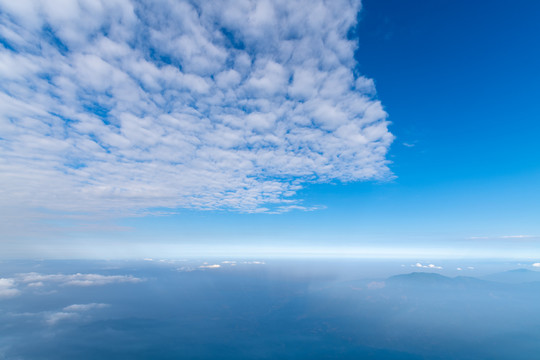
(120,106)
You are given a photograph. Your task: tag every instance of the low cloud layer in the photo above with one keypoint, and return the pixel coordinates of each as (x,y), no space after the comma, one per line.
(213,266)
(8,288)
(130,105)
(32,279)
(75,312)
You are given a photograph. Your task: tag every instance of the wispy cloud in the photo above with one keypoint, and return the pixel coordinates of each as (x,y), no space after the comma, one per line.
(71,312)
(85,307)
(507,237)
(55,317)
(130,105)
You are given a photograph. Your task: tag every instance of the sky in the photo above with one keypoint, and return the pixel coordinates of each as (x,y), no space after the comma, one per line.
(165,128)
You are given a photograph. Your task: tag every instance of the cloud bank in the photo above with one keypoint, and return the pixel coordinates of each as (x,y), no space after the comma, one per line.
(130,105)
(76,279)
(9,287)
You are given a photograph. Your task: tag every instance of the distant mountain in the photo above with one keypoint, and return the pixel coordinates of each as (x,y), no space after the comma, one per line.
(419,278)
(433,281)
(426,278)
(516,276)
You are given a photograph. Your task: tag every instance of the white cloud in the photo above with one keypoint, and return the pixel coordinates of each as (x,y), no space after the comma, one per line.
(213,266)
(71,312)
(516,237)
(130,105)
(536,264)
(430,266)
(186,269)
(77,279)
(8,288)
(53,318)
(85,307)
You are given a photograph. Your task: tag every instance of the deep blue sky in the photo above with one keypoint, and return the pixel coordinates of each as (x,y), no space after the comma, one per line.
(459,81)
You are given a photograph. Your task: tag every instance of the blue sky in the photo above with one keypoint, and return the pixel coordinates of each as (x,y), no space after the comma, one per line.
(386,128)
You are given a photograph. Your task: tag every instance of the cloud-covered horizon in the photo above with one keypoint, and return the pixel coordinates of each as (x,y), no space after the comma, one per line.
(129,105)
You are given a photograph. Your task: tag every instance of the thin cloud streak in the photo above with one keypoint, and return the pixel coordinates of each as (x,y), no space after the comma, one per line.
(517,237)
(504,237)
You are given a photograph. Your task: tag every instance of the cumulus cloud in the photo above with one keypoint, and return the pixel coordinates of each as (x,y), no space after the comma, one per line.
(77,279)
(536,264)
(430,266)
(8,288)
(213,266)
(127,105)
